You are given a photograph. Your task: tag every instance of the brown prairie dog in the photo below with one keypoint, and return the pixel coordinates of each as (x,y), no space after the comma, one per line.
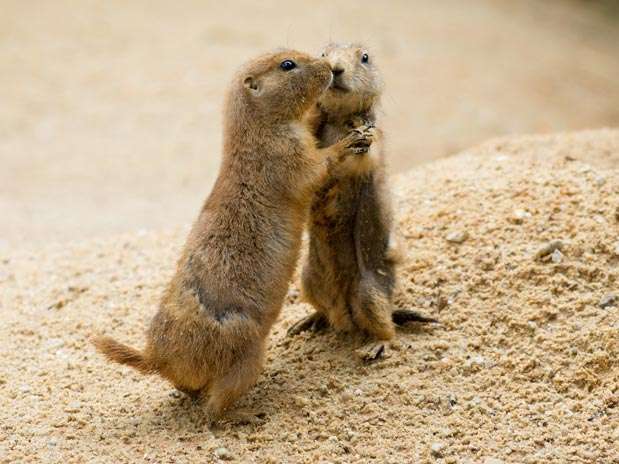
(349,275)
(208,335)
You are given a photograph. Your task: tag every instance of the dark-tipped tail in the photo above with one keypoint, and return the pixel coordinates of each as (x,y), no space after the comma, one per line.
(404,316)
(123,354)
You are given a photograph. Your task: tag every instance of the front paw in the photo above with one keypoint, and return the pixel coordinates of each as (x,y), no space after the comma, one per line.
(359,140)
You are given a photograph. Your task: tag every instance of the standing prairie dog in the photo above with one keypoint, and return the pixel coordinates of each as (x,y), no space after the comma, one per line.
(349,275)
(208,336)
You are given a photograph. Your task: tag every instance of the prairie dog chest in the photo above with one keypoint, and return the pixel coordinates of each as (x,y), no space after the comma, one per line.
(335,204)
(300,133)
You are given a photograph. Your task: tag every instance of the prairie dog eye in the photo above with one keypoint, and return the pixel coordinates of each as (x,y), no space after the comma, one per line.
(287,65)
(365,58)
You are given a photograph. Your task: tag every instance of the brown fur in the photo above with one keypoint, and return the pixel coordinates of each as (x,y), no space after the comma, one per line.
(209,334)
(349,275)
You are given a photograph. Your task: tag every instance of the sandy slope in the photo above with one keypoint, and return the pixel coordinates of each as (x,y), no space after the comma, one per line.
(523,368)
(110,111)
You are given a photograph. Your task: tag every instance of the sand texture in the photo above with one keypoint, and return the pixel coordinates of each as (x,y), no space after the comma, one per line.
(110,111)
(522,369)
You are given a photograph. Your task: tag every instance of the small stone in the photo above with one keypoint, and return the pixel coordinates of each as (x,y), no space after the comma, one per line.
(54,343)
(556,256)
(493,461)
(437,449)
(457,237)
(600,180)
(358,392)
(519,215)
(224,454)
(302,402)
(549,248)
(441,302)
(293,294)
(73,406)
(610,299)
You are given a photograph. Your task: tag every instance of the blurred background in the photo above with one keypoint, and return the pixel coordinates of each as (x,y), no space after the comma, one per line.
(110,110)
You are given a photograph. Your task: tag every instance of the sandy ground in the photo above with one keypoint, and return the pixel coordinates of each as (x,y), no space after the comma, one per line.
(110,111)
(522,369)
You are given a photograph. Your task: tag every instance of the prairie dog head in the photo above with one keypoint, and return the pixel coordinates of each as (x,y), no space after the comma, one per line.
(277,87)
(356,84)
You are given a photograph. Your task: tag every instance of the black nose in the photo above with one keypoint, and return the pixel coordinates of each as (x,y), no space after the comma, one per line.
(337,71)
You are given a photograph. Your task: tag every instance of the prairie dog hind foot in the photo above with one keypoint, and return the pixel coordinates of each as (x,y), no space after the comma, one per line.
(315,322)
(380,349)
(240,417)
(373,351)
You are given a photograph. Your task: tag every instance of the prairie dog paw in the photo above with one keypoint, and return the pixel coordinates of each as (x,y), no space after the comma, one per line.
(314,322)
(373,351)
(360,139)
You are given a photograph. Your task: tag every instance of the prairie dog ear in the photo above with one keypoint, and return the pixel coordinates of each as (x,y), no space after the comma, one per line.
(251,83)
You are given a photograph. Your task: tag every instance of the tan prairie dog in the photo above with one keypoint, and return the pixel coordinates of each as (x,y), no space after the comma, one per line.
(208,336)
(349,275)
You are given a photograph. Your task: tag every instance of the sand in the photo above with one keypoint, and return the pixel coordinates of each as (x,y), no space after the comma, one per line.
(110,111)
(522,369)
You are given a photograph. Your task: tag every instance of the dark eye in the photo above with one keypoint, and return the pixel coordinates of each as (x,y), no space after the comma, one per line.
(365,58)
(287,65)
(323,54)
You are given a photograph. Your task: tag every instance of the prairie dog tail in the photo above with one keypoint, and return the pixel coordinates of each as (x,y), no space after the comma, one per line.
(123,354)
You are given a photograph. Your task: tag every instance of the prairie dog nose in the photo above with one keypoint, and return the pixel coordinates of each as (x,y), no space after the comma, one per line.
(337,71)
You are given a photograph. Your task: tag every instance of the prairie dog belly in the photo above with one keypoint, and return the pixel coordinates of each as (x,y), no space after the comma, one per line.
(331,274)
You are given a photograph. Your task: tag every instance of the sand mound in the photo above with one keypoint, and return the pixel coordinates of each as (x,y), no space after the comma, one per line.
(523,368)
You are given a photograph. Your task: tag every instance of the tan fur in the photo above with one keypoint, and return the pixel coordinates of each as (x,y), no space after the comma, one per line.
(209,334)
(350,272)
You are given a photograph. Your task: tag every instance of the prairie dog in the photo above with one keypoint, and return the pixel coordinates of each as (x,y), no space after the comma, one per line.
(349,275)
(208,336)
